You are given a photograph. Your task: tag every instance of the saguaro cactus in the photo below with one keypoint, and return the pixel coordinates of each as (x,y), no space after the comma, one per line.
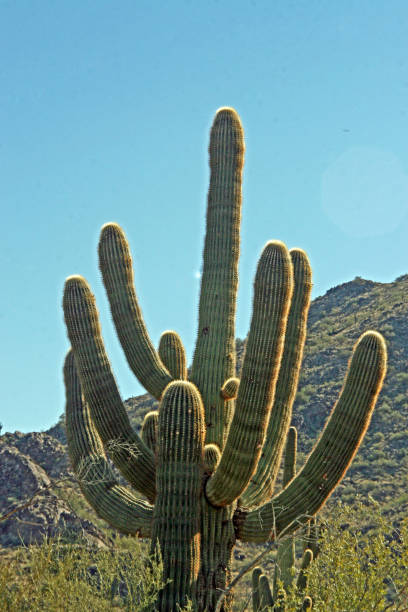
(202,498)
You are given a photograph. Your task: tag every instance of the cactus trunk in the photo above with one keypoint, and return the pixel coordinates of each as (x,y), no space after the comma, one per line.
(208,459)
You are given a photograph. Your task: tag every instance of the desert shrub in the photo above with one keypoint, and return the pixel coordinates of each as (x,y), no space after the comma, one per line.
(363,563)
(69,577)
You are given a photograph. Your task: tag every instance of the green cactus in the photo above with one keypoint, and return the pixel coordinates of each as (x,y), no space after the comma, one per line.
(285,559)
(284,575)
(256,599)
(149,429)
(197,510)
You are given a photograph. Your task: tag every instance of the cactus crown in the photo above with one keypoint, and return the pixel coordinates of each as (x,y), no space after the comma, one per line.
(200,500)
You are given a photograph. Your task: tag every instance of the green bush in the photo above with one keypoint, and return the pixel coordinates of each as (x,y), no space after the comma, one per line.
(362,565)
(72,577)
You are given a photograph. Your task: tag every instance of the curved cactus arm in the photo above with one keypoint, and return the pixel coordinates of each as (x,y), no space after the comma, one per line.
(126,449)
(149,430)
(176,523)
(333,453)
(115,262)
(261,487)
(172,355)
(112,502)
(214,355)
(272,293)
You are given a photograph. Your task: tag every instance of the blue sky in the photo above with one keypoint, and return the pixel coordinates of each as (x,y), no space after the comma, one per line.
(105,109)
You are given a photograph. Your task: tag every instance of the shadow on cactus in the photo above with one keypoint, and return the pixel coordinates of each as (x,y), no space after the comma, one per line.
(208,460)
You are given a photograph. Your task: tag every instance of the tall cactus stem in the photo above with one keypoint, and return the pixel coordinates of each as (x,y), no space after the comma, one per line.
(176,526)
(214,356)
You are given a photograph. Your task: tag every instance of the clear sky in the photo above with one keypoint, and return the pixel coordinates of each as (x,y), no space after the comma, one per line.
(105,109)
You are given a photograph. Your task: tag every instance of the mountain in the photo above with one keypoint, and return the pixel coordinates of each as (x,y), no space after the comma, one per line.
(336,320)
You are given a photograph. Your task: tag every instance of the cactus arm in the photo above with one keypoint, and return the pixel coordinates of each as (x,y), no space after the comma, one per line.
(331,456)
(176,519)
(214,355)
(212,456)
(302,579)
(229,389)
(312,539)
(112,502)
(172,355)
(265,594)
(256,600)
(149,430)
(115,262)
(108,414)
(289,466)
(272,293)
(260,488)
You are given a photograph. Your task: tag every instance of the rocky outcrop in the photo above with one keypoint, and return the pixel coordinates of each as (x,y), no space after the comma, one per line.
(43,449)
(34,511)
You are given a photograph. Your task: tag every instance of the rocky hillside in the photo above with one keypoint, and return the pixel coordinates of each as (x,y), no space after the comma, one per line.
(336,320)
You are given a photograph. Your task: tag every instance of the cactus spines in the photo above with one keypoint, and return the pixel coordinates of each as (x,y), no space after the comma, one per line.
(149,429)
(205,499)
(172,354)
